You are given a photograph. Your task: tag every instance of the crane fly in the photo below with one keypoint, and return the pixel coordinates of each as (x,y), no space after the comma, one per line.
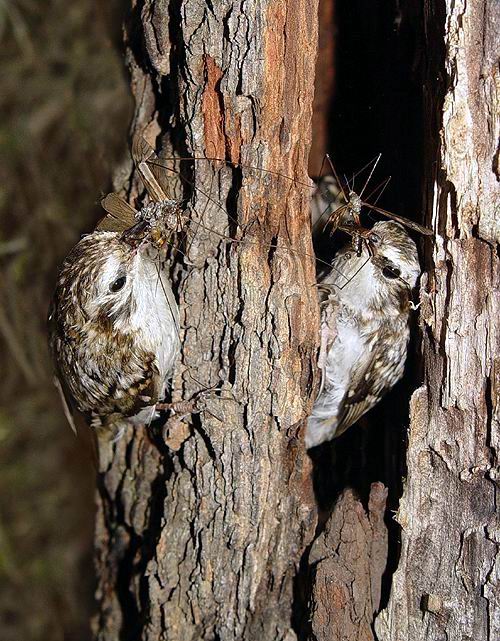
(347,217)
(162,216)
(167,217)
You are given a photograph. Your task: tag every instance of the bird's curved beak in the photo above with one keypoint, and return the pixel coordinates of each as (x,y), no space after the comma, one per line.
(136,234)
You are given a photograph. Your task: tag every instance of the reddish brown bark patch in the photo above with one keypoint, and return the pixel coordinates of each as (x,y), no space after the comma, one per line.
(348,560)
(213,110)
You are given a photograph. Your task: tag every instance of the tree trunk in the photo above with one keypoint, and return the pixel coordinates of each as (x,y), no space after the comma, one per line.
(447,585)
(199,535)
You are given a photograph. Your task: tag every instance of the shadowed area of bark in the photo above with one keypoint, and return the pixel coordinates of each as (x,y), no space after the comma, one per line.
(346,563)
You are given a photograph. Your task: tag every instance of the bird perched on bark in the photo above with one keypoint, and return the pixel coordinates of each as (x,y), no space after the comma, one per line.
(364,328)
(113,327)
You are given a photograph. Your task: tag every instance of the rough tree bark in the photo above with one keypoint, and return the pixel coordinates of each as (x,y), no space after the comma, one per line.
(447,585)
(347,562)
(198,537)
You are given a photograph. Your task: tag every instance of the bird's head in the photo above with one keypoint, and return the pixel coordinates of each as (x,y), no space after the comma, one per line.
(387,270)
(394,255)
(103,277)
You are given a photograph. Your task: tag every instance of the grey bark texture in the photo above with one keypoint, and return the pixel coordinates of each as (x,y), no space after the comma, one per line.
(199,535)
(447,585)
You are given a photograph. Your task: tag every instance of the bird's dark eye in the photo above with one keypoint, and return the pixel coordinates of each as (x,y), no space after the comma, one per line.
(391,272)
(117,284)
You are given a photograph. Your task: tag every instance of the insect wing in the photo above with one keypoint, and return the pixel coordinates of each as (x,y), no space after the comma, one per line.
(145,160)
(120,215)
(141,149)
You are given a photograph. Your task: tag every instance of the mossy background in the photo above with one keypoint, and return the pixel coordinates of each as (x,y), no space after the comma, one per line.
(65,109)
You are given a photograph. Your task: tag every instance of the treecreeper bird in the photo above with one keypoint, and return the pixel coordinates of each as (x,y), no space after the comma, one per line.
(364,328)
(113,327)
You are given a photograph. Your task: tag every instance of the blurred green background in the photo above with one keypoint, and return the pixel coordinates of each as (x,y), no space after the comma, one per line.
(65,108)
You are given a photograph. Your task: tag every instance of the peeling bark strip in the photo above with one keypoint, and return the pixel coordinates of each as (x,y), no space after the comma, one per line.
(201,541)
(347,562)
(447,585)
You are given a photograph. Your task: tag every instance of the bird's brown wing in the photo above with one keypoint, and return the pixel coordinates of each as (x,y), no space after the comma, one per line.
(375,376)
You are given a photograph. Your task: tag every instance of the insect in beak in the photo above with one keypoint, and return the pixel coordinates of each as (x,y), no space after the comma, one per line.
(136,234)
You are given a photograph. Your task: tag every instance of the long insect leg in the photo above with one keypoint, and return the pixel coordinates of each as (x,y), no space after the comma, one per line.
(339,182)
(348,280)
(377,160)
(380,188)
(401,219)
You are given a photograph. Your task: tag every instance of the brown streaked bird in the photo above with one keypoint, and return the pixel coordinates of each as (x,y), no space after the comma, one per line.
(364,328)
(113,328)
